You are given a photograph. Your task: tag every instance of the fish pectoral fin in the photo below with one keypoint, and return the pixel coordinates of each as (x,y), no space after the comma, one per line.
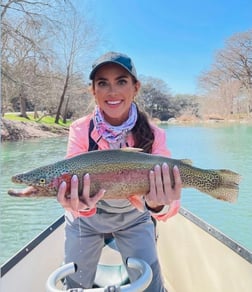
(137,202)
(131,149)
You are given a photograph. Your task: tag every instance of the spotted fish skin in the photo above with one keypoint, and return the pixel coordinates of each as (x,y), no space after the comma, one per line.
(125,173)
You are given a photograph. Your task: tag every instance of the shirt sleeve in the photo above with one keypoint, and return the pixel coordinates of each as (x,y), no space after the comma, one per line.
(159,145)
(167,211)
(78,138)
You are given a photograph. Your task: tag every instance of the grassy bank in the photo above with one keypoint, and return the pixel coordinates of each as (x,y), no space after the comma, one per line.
(48,120)
(14,127)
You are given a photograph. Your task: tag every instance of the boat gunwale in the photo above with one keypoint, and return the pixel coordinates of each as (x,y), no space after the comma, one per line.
(220,236)
(230,243)
(16,258)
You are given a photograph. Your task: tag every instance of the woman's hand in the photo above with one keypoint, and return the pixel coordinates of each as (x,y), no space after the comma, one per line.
(162,192)
(76,203)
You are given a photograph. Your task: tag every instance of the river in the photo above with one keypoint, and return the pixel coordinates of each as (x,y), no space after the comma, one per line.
(208,146)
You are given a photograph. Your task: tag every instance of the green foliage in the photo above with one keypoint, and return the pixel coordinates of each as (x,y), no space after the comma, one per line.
(156,99)
(48,120)
(185,104)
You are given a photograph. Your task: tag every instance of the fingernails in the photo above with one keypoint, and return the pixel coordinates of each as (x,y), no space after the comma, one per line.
(176,168)
(74,178)
(63,184)
(151,172)
(165,165)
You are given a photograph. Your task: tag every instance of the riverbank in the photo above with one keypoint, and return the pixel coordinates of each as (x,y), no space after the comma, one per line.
(22,130)
(12,130)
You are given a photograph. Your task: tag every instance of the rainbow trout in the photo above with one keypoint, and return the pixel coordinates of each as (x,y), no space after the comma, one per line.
(124,174)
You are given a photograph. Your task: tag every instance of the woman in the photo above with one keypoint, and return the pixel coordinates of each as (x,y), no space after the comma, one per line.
(116,122)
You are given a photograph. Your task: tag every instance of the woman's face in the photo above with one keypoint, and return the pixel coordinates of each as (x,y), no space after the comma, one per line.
(114,90)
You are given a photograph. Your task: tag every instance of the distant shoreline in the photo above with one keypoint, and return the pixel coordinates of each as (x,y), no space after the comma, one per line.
(187,119)
(22,130)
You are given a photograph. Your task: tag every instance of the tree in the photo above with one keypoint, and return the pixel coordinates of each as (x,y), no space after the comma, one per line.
(235,60)
(230,77)
(184,104)
(46,47)
(26,26)
(78,36)
(154,97)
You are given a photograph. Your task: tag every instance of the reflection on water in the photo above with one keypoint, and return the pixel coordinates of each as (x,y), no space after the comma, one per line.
(215,146)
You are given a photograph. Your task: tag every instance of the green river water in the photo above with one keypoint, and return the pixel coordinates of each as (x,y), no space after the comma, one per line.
(211,146)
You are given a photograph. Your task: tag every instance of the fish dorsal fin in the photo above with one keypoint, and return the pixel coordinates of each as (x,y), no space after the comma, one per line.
(186,161)
(131,149)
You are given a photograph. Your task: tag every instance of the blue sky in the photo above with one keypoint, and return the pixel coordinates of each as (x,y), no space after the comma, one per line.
(171,40)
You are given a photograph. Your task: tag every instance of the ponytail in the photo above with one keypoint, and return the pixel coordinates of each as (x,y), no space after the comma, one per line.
(142,132)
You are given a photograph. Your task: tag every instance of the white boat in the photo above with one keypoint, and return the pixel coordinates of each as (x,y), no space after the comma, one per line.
(194,257)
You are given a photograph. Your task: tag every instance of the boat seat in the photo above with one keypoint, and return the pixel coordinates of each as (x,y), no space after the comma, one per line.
(110,275)
(111,269)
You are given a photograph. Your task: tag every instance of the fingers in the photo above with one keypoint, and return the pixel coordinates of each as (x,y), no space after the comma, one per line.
(74,193)
(155,196)
(163,188)
(61,194)
(159,183)
(90,202)
(76,202)
(178,183)
(156,184)
(86,190)
(166,181)
(66,202)
(151,194)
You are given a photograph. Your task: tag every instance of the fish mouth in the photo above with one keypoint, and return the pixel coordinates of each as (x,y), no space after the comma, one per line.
(27,192)
(31,191)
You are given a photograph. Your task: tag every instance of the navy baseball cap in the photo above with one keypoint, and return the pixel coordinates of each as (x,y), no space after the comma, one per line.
(116,58)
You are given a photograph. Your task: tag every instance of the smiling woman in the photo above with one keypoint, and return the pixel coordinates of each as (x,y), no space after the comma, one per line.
(114,88)
(115,123)
(115,93)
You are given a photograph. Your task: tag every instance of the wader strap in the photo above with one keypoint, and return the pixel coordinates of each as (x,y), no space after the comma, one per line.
(92,144)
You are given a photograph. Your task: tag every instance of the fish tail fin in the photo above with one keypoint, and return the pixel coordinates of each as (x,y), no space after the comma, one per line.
(229,186)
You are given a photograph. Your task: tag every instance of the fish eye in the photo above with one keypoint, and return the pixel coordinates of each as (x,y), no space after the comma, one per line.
(42,181)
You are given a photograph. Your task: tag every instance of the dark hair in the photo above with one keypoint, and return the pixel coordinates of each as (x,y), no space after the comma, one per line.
(142,132)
